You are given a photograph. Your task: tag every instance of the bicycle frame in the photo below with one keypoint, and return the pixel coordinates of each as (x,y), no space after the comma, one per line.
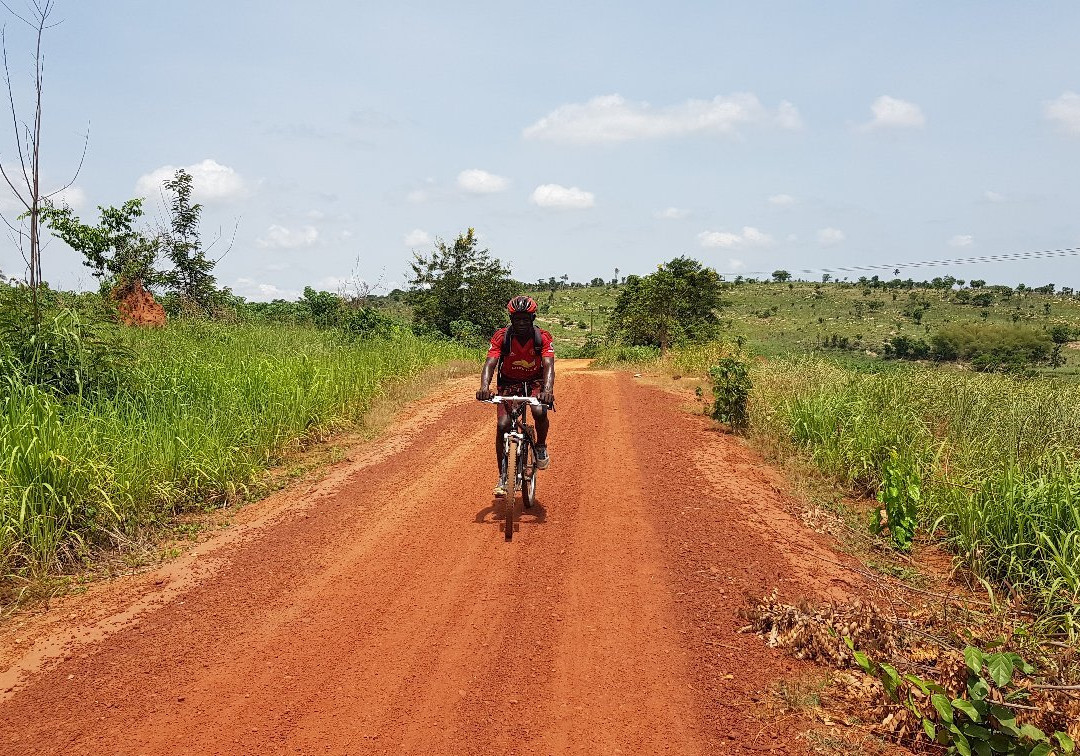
(519,431)
(518,444)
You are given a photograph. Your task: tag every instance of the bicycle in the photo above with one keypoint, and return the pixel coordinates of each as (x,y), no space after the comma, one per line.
(519,443)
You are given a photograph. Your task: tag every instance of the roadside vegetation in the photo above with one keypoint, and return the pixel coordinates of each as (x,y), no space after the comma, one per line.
(960,428)
(106,434)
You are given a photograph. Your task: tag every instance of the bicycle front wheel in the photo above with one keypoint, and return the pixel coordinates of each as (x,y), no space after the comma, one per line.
(528,479)
(510,502)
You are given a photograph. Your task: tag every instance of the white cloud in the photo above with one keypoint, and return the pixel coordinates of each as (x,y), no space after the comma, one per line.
(569,198)
(279,237)
(990,196)
(417,238)
(830,237)
(73,196)
(892,113)
(962,240)
(212,182)
(611,118)
(1065,112)
(476,181)
(672,213)
(782,200)
(748,237)
(736,264)
(262,292)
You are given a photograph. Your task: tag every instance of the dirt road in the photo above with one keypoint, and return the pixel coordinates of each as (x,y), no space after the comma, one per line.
(381,611)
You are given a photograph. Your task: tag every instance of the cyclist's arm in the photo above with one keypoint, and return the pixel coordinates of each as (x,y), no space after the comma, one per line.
(548,394)
(485,377)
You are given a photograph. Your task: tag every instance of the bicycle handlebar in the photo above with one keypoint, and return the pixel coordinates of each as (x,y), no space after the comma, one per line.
(532,401)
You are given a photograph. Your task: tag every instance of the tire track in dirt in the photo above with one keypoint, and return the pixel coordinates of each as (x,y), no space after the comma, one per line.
(383,613)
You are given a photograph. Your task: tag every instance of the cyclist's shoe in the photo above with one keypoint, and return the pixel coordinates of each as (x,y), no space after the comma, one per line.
(500,488)
(542,458)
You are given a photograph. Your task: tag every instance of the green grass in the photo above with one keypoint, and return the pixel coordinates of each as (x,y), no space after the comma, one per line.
(204,410)
(998,459)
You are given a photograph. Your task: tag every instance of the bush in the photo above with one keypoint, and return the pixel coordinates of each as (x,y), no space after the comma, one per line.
(467,333)
(991,347)
(592,346)
(67,353)
(366,321)
(904,348)
(731,388)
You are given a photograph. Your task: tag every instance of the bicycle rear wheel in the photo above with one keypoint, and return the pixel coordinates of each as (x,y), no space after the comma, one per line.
(510,502)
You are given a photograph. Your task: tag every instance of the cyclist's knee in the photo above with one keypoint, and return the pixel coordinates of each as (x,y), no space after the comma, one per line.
(503,424)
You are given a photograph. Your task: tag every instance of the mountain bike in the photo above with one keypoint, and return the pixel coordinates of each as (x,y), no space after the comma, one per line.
(519,443)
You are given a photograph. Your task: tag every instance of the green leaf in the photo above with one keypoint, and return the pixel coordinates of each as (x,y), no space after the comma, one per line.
(929,729)
(976,732)
(981,747)
(890,678)
(1042,749)
(973,657)
(977,688)
(1066,743)
(919,683)
(1001,669)
(1001,743)
(1002,714)
(1033,732)
(965,706)
(864,662)
(961,743)
(943,706)
(1019,663)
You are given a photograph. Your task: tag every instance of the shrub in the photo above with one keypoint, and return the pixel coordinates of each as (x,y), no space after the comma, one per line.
(65,353)
(990,347)
(731,386)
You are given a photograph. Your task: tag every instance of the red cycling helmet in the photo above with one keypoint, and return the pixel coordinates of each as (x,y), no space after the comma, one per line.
(521,306)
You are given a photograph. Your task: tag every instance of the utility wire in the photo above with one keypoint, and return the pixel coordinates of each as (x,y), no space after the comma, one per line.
(1004,257)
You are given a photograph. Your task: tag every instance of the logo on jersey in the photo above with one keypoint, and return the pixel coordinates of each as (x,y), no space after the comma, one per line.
(524,364)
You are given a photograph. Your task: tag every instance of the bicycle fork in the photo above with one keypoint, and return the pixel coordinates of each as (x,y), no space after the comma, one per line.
(520,438)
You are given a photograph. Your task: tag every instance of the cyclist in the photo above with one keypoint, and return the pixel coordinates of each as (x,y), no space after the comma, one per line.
(528,360)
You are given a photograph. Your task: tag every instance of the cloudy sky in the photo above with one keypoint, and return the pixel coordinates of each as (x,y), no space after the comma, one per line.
(330,139)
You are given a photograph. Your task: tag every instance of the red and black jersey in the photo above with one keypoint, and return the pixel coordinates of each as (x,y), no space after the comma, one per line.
(522,363)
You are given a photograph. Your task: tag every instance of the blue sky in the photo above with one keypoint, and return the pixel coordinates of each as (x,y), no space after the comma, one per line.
(575,137)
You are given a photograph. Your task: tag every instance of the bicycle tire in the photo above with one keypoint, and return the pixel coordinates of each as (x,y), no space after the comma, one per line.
(511,482)
(528,479)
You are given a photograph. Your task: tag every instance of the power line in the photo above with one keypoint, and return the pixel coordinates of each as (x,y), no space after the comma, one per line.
(1004,257)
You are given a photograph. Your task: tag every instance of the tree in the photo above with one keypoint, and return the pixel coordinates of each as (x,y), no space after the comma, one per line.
(598,281)
(190,278)
(781,276)
(27,184)
(119,254)
(679,301)
(460,283)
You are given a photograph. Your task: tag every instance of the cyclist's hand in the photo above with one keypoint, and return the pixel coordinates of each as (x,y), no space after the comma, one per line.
(547,397)
(484,394)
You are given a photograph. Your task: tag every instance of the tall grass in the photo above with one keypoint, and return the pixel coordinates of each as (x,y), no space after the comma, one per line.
(999,459)
(205,408)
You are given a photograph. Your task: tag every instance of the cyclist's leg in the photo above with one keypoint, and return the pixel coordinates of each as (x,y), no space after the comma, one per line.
(541,423)
(540,416)
(540,420)
(501,427)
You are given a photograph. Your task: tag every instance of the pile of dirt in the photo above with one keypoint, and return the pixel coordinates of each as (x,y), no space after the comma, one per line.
(137,306)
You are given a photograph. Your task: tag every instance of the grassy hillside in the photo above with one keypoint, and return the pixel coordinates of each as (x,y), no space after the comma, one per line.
(802,318)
